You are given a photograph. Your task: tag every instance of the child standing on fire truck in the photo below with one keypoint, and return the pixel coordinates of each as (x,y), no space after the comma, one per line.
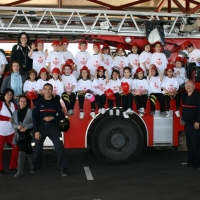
(66,53)
(82,56)
(55,59)
(158,58)
(39,56)
(133,58)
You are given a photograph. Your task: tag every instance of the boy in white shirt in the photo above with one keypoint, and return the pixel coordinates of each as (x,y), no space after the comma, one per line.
(158,58)
(82,56)
(67,54)
(55,59)
(39,56)
(3,63)
(95,60)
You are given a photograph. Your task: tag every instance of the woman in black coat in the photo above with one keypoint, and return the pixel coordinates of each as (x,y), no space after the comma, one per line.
(20,53)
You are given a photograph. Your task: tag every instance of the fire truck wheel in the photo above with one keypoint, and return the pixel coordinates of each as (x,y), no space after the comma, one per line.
(117,140)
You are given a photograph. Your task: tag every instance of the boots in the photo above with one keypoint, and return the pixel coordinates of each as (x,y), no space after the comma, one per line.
(21,159)
(30,160)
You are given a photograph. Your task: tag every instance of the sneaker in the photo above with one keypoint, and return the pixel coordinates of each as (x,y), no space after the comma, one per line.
(141,110)
(103,110)
(177,113)
(167,114)
(2,172)
(163,113)
(141,114)
(70,112)
(125,115)
(152,113)
(129,111)
(92,114)
(64,173)
(117,112)
(99,111)
(111,112)
(81,115)
(186,165)
(34,170)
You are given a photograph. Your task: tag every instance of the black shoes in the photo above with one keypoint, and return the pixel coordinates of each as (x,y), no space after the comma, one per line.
(64,173)
(1,173)
(34,170)
(195,168)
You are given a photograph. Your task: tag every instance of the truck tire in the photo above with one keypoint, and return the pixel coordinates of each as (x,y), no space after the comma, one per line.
(116,140)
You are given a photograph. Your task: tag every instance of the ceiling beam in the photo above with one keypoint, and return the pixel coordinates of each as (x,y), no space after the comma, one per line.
(187,5)
(179,6)
(103,4)
(59,3)
(132,4)
(160,6)
(15,3)
(193,10)
(194,2)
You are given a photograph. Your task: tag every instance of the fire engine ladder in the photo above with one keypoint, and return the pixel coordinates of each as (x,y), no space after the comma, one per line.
(81,21)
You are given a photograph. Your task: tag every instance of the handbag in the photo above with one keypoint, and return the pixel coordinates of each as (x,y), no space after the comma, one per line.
(23,137)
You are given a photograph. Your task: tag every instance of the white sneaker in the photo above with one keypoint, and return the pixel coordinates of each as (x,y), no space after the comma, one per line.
(92,114)
(167,114)
(125,115)
(81,115)
(142,110)
(70,112)
(177,113)
(103,110)
(129,111)
(117,112)
(111,112)
(141,114)
(99,111)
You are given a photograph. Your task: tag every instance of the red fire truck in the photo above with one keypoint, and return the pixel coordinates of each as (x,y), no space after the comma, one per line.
(113,139)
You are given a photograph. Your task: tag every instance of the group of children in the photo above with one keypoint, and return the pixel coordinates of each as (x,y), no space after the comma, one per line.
(129,77)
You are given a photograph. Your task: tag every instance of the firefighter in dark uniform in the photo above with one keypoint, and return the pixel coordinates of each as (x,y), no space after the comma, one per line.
(47,111)
(191,117)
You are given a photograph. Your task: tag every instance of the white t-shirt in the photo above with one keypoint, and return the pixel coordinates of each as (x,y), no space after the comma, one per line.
(154,84)
(140,85)
(67,55)
(108,63)
(99,86)
(58,87)
(194,55)
(145,57)
(29,86)
(81,59)
(38,60)
(93,63)
(84,85)
(169,84)
(6,127)
(134,61)
(180,75)
(2,61)
(39,84)
(68,82)
(56,59)
(120,61)
(114,85)
(160,61)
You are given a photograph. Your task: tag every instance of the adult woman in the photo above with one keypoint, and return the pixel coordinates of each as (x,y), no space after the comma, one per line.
(22,122)
(7,107)
(14,80)
(20,53)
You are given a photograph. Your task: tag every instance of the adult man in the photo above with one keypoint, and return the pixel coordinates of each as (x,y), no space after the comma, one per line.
(191,117)
(46,112)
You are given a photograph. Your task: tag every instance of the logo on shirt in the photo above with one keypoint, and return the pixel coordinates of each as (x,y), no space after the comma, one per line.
(156,86)
(40,59)
(136,62)
(148,61)
(170,87)
(56,61)
(107,61)
(121,64)
(96,64)
(55,90)
(159,61)
(68,86)
(83,61)
(102,87)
